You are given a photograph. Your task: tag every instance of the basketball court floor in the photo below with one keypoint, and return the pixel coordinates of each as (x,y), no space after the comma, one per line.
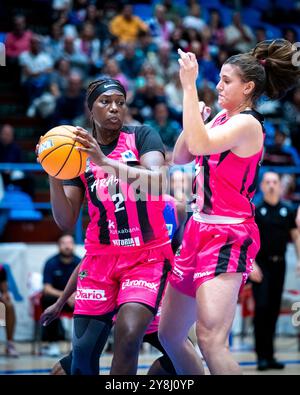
(27,364)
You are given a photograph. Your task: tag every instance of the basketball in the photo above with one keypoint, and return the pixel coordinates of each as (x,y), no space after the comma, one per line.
(57,153)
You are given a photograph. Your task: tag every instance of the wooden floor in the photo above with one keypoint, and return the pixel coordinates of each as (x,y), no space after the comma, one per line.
(27,364)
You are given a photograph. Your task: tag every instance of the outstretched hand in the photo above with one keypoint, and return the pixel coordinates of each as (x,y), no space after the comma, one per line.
(50,314)
(188,71)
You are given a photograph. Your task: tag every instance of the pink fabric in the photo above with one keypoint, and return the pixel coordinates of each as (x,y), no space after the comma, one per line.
(226,183)
(113,210)
(107,281)
(15,45)
(208,250)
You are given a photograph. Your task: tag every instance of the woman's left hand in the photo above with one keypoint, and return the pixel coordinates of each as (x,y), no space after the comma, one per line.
(188,69)
(90,145)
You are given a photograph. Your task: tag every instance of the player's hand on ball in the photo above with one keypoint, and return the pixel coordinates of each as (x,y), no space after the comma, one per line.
(90,145)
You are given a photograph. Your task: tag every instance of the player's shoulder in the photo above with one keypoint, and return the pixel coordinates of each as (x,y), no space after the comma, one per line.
(137,129)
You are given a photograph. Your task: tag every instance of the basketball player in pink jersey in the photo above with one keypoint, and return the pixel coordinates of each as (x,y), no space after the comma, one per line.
(221,239)
(128,253)
(175,217)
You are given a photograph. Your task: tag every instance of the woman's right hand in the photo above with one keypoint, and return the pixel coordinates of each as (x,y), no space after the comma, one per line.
(204,110)
(50,314)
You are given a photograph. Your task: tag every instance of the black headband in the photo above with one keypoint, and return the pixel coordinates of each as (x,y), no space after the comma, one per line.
(103,87)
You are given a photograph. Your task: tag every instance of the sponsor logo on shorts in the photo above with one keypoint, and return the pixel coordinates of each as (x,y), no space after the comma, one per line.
(140,284)
(177,272)
(83,274)
(202,274)
(90,294)
(132,241)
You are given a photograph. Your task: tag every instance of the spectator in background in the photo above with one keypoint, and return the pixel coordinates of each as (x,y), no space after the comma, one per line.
(54,42)
(18,40)
(194,19)
(127,26)
(167,128)
(10,152)
(291,114)
(131,63)
(239,36)
(216,30)
(57,272)
(78,60)
(36,68)
(276,223)
(89,45)
(160,28)
(112,69)
(10,316)
(281,153)
(71,104)
(163,63)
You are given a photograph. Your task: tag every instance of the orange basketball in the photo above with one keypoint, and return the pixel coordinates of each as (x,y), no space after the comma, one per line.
(57,153)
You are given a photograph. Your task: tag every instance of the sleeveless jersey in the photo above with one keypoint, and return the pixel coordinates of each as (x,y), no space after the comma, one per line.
(225,183)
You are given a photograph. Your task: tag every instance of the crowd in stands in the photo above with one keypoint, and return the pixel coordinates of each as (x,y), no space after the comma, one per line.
(84,40)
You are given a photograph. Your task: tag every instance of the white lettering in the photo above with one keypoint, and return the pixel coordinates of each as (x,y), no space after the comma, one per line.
(139,284)
(90,294)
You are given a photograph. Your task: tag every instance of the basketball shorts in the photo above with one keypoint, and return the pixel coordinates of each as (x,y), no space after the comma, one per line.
(105,282)
(208,250)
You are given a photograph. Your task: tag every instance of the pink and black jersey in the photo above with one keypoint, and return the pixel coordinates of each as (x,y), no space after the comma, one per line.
(122,215)
(225,183)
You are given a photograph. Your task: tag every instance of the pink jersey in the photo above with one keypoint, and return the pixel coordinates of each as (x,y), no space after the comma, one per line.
(225,183)
(122,216)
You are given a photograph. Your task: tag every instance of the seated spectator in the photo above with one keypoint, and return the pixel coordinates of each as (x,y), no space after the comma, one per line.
(127,26)
(36,68)
(18,40)
(239,36)
(88,44)
(194,19)
(160,28)
(10,152)
(163,62)
(57,272)
(167,128)
(54,42)
(281,153)
(112,70)
(291,114)
(10,316)
(77,58)
(174,92)
(216,30)
(131,63)
(146,97)
(71,104)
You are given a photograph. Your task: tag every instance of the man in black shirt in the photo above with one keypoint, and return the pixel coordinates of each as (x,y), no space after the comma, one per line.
(276,222)
(57,272)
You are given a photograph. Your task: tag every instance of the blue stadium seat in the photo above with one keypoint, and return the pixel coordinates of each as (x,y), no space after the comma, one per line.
(287,5)
(262,5)
(2,37)
(144,11)
(250,16)
(210,4)
(19,206)
(272,32)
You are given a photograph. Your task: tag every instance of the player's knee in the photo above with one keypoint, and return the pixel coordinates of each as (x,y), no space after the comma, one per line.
(209,339)
(132,339)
